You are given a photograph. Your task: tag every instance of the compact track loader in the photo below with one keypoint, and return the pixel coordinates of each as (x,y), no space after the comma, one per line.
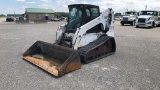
(86,37)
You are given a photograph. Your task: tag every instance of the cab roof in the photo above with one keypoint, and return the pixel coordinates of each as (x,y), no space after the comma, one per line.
(130,11)
(83,5)
(149,10)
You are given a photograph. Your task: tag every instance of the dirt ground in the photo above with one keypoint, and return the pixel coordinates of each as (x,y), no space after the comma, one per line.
(134,66)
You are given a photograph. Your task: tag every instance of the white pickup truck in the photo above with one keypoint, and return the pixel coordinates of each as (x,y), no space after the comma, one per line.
(129,18)
(148,18)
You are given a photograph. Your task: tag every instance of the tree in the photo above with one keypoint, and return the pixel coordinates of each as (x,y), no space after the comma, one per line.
(61,14)
(117,14)
(57,14)
(2,15)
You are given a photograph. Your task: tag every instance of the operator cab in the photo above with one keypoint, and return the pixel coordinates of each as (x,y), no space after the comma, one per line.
(80,14)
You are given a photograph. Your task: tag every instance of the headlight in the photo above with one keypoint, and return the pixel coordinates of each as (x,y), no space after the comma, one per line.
(149,19)
(149,22)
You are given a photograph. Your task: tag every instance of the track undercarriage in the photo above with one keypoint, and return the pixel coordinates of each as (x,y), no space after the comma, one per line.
(97,49)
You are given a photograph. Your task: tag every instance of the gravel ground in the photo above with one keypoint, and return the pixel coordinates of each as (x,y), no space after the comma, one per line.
(134,66)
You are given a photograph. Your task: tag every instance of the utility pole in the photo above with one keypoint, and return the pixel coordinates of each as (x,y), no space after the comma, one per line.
(146,7)
(14,13)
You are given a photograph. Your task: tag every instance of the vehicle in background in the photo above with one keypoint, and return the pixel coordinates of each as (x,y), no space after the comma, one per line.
(9,18)
(21,18)
(55,19)
(158,21)
(129,18)
(62,18)
(117,18)
(148,18)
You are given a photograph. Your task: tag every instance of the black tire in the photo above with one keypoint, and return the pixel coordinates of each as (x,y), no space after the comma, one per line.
(122,23)
(153,25)
(133,23)
(137,26)
(157,26)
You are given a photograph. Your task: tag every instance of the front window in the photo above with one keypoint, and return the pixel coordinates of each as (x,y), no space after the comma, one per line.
(129,13)
(74,19)
(147,13)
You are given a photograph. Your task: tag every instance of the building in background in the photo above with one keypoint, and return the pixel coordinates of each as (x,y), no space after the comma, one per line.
(38,14)
(14,15)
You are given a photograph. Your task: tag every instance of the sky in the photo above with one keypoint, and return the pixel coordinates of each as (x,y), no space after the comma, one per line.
(18,6)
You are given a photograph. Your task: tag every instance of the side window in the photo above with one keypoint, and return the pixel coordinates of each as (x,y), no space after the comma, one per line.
(88,13)
(37,16)
(156,13)
(95,12)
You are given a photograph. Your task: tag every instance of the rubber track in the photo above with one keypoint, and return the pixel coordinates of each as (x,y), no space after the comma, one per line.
(84,50)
